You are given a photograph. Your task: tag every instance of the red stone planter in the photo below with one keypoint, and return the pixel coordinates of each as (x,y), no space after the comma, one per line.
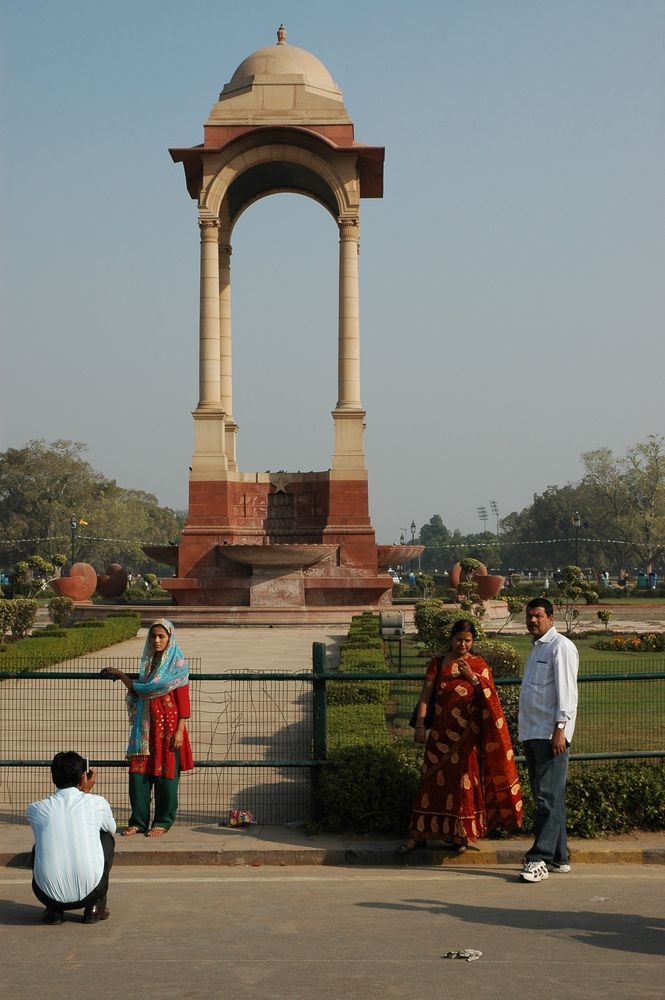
(458,576)
(487,586)
(79,585)
(113,582)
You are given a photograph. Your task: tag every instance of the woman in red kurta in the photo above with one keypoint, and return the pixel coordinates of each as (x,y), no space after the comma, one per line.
(159,747)
(469,783)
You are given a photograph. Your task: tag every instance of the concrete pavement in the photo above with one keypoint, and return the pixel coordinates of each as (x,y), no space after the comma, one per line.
(332,933)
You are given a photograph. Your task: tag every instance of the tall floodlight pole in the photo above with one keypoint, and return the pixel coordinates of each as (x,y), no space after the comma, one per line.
(482,514)
(494,507)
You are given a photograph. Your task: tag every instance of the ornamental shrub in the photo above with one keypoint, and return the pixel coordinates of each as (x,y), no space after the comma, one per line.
(434,624)
(504,661)
(7,616)
(369,789)
(25,613)
(60,610)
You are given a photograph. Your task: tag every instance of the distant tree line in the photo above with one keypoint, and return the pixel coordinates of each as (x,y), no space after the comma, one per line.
(612,519)
(42,486)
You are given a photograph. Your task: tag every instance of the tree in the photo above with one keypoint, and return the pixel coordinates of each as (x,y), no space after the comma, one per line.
(42,485)
(631,492)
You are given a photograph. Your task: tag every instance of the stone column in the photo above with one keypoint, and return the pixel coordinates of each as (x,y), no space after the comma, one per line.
(348,461)
(349,318)
(209,374)
(225,346)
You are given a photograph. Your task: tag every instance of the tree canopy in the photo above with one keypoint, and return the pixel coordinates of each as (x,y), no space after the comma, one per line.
(43,486)
(614,517)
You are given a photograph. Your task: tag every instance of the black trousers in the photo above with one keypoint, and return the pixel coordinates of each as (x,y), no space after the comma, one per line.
(97,895)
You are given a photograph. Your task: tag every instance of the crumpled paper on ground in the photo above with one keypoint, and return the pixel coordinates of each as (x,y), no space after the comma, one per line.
(468,954)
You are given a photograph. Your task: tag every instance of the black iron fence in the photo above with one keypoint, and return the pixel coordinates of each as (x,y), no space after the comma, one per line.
(258,738)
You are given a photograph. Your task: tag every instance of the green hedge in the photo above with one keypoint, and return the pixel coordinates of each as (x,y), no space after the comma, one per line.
(349,725)
(370,789)
(52,646)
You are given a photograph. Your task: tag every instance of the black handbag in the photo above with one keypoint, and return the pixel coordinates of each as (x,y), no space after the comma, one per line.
(429,714)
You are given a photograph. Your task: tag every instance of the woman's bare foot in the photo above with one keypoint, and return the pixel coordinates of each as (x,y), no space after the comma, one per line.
(131,831)
(157,831)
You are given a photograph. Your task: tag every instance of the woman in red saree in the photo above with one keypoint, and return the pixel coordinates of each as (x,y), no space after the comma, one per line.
(469,783)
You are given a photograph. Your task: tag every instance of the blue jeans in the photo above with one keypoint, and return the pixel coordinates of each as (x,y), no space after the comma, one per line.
(547,777)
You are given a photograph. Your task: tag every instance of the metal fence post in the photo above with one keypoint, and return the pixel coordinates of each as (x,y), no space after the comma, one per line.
(320,724)
(319,701)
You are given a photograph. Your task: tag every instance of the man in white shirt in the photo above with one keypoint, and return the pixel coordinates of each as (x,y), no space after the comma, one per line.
(547,712)
(74,844)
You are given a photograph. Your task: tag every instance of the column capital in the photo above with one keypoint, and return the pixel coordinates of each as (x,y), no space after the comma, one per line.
(349,228)
(209,228)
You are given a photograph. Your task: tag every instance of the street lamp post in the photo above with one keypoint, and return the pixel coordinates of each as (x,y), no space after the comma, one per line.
(577,523)
(413,540)
(73,525)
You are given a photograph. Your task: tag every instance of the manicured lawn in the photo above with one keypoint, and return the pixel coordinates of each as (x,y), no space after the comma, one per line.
(613,715)
(597,661)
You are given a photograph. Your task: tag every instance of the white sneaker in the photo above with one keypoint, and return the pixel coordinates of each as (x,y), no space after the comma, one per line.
(562,869)
(534,871)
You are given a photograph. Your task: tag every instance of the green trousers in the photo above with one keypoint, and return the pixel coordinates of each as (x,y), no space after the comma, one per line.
(166,799)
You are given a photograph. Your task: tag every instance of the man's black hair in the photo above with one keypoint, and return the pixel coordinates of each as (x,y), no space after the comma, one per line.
(67,769)
(541,602)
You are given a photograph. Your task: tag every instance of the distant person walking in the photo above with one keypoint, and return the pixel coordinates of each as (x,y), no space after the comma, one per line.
(547,713)
(158,748)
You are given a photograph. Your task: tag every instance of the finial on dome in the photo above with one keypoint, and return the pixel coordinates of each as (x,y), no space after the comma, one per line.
(281,35)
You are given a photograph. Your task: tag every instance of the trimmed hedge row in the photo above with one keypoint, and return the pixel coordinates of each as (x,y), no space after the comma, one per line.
(52,645)
(361,652)
(370,789)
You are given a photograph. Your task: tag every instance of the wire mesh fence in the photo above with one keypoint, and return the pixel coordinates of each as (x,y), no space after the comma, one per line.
(252,733)
(251,739)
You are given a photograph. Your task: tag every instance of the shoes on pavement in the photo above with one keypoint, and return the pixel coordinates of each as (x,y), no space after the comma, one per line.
(563,869)
(534,871)
(52,917)
(92,914)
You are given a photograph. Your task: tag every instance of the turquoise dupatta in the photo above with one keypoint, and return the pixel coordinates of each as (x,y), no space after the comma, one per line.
(170,673)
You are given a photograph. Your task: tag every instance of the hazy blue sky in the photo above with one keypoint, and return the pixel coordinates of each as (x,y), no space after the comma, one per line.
(512,277)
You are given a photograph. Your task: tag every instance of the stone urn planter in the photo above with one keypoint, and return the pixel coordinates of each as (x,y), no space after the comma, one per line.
(113,582)
(79,585)
(487,586)
(457,574)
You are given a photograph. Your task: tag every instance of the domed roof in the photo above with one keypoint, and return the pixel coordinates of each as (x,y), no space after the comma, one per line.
(280,84)
(282,60)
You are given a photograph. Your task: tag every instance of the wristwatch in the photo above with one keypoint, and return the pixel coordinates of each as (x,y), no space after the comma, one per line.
(561,725)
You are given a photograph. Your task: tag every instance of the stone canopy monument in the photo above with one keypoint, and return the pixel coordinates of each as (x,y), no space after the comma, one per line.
(258,539)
